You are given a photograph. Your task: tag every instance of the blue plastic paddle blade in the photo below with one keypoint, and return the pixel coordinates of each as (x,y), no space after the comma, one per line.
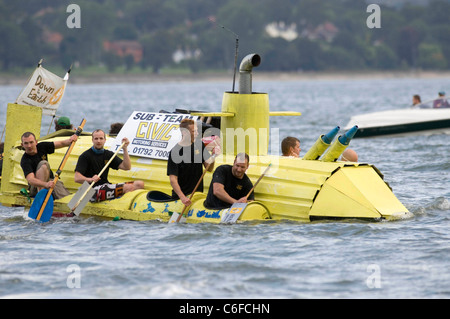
(37,204)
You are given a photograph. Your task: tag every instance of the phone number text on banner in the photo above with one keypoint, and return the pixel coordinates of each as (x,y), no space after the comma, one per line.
(152,135)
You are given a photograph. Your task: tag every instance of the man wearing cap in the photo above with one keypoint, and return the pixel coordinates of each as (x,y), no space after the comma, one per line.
(35,166)
(441,101)
(63,123)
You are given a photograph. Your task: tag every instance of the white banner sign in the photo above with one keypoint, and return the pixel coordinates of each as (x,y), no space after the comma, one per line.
(44,89)
(151,135)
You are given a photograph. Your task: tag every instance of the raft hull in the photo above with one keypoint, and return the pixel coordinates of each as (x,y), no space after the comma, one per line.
(293,189)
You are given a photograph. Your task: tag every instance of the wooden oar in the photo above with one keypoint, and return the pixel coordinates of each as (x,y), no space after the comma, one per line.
(175,218)
(42,207)
(235,211)
(77,204)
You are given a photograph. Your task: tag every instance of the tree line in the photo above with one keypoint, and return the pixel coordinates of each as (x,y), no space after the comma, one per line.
(290,35)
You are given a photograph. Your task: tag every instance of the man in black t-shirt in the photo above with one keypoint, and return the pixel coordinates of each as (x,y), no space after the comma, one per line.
(186,161)
(93,160)
(230,184)
(35,166)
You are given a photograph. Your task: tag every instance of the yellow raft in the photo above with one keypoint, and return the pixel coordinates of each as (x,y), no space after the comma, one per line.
(293,189)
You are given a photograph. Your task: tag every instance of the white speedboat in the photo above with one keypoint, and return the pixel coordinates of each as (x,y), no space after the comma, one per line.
(408,121)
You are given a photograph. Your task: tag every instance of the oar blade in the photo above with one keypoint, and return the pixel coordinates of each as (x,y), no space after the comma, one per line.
(233,213)
(173,219)
(37,204)
(81,194)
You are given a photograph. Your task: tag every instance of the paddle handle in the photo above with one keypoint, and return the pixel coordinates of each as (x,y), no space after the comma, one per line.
(69,150)
(101,172)
(262,175)
(61,166)
(195,188)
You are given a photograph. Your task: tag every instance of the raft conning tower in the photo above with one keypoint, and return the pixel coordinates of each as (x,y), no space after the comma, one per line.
(301,189)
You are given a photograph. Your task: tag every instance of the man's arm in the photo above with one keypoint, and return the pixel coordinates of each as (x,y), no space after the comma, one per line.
(177,189)
(220,192)
(126,162)
(63,143)
(80,178)
(36,182)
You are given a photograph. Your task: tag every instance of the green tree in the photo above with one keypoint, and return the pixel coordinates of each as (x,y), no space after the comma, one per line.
(245,19)
(337,58)
(437,12)
(309,54)
(281,55)
(311,13)
(158,48)
(85,44)
(15,49)
(152,15)
(408,40)
(431,57)
(410,36)
(385,58)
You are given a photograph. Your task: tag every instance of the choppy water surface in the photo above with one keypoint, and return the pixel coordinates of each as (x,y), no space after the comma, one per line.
(98,258)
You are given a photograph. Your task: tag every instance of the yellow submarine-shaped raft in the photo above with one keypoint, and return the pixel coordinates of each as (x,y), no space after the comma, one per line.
(316,186)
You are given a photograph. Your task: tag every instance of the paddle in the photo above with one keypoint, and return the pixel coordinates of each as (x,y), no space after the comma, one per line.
(85,192)
(42,207)
(175,218)
(235,211)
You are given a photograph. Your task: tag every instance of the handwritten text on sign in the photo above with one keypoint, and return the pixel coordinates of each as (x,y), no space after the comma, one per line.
(152,135)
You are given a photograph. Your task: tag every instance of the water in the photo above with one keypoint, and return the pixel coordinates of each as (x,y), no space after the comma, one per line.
(97,258)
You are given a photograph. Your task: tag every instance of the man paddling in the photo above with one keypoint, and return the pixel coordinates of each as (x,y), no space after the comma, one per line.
(186,161)
(92,161)
(230,184)
(35,164)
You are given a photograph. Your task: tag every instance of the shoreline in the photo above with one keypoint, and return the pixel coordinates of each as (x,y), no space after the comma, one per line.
(260,76)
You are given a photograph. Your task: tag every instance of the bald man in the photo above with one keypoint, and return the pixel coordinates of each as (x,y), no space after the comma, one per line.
(349,155)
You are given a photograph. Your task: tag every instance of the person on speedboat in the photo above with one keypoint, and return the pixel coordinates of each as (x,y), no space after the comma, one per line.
(290,146)
(441,101)
(230,184)
(36,168)
(91,162)
(186,161)
(417,102)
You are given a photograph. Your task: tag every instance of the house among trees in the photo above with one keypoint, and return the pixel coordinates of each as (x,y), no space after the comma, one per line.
(52,38)
(326,31)
(185,54)
(281,30)
(123,48)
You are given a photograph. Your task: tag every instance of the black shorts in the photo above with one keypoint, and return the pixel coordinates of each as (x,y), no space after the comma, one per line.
(108,191)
